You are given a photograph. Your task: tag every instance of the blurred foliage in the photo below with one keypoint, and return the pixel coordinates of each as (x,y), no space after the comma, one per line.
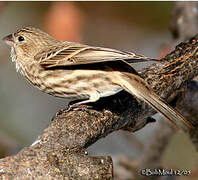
(154,15)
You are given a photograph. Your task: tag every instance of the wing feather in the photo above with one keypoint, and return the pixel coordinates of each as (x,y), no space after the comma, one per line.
(67,54)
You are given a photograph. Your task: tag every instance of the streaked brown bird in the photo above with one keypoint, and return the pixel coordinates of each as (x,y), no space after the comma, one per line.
(77,71)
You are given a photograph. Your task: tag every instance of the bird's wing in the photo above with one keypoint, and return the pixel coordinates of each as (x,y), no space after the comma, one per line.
(67,54)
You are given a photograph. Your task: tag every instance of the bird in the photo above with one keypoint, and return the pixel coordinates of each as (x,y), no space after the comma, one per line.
(81,72)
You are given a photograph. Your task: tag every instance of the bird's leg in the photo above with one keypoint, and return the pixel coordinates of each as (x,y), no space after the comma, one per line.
(75,107)
(78,106)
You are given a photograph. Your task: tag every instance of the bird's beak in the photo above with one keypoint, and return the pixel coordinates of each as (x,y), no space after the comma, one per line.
(9,39)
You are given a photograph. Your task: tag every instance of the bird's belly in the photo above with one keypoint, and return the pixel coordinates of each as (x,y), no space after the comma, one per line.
(109,90)
(77,84)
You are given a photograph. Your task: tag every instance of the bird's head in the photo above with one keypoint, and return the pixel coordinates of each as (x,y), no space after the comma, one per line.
(29,41)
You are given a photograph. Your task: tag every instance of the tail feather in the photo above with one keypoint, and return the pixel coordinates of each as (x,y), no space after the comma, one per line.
(135,85)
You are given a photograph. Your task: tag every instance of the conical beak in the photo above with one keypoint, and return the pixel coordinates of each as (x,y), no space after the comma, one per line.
(9,39)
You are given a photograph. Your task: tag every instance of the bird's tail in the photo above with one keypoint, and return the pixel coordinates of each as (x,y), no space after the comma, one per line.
(136,86)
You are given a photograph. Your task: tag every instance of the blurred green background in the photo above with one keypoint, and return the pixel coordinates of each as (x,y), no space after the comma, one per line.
(141,27)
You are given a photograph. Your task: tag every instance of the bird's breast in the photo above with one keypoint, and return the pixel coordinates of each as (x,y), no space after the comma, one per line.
(75,84)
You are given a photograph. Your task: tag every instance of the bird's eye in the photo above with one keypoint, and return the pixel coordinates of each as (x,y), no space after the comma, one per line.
(21,38)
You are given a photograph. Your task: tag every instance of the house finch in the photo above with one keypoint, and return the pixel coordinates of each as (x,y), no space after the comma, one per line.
(77,71)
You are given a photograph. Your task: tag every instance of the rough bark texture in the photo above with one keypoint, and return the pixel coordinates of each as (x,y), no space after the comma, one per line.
(60,152)
(188,104)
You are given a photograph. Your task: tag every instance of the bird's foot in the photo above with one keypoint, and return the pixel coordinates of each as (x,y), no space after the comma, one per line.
(77,107)
(72,107)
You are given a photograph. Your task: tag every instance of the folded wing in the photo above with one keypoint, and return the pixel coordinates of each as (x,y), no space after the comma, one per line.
(67,54)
